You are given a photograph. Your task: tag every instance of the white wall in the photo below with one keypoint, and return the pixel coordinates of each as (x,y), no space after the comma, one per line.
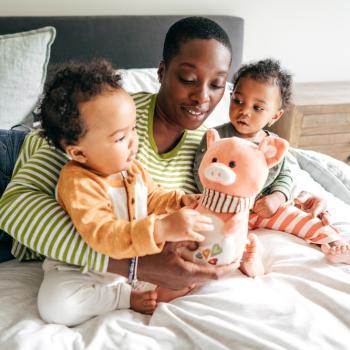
(310,37)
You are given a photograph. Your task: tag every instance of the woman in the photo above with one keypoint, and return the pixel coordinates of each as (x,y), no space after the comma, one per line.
(193,73)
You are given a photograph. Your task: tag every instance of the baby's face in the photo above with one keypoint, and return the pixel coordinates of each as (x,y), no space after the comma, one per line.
(110,143)
(253,105)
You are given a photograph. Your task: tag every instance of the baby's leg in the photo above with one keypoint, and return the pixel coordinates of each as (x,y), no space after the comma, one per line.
(251,263)
(70,297)
(293,220)
(337,251)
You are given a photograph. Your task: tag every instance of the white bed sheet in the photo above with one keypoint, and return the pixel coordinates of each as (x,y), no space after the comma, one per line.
(303,302)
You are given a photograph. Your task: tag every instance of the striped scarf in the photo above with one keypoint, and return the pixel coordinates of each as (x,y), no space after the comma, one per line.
(220,202)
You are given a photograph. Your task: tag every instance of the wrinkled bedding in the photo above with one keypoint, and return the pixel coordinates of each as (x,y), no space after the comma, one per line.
(303,302)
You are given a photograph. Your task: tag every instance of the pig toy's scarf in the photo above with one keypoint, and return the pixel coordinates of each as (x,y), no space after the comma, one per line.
(220,202)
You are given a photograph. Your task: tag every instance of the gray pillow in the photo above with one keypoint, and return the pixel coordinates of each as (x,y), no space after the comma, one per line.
(332,174)
(23,63)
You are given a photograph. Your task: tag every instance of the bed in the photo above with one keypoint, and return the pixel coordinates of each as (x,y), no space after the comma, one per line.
(303,302)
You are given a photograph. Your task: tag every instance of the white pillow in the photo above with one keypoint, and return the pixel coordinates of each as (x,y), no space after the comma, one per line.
(146,79)
(143,79)
(23,63)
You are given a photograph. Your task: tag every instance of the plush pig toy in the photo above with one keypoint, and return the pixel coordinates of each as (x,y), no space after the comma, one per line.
(233,171)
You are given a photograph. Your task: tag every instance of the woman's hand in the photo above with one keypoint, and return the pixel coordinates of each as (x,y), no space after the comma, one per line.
(170,268)
(314,205)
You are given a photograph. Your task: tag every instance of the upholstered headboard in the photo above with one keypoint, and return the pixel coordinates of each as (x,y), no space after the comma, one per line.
(127,41)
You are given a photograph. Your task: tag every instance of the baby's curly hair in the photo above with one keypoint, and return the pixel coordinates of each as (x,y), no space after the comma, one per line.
(268,71)
(71,84)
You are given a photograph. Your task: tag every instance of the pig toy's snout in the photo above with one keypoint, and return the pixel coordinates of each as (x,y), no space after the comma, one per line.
(220,173)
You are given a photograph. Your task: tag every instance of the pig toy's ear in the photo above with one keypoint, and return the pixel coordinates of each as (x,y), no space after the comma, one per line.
(274,148)
(212,136)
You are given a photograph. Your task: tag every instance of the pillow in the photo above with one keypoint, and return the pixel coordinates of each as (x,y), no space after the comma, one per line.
(23,63)
(146,79)
(330,173)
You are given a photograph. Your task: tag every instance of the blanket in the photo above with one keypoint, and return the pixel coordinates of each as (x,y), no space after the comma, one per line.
(302,302)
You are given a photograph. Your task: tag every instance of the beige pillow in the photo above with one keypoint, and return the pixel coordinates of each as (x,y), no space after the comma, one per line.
(23,63)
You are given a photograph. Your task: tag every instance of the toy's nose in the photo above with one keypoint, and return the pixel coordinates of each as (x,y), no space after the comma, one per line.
(220,173)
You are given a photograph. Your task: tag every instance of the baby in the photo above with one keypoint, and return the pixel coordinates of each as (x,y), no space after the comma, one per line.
(111,199)
(261,94)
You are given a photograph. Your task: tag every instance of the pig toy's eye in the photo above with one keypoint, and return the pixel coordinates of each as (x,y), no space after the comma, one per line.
(232,164)
(214,160)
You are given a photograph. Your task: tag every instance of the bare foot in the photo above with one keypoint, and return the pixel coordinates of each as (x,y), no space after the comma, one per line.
(337,251)
(251,263)
(165,295)
(143,301)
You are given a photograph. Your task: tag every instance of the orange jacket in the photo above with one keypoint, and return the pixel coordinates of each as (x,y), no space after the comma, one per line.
(115,215)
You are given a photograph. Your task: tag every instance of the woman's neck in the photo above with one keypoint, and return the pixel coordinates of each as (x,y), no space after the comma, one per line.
(166,134)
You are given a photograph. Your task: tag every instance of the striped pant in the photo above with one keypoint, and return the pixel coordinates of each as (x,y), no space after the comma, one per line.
(291,219)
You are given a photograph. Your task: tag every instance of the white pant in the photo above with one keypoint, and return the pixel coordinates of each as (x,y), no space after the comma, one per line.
(68,296)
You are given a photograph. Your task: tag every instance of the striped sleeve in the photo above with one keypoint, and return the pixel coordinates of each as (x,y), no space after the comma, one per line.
(30,213)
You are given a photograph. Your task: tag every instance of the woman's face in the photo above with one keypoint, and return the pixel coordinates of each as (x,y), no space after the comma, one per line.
(193,83)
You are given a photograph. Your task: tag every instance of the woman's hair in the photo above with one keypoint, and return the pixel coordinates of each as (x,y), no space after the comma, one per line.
(190,28)
(268,71)
(71,84)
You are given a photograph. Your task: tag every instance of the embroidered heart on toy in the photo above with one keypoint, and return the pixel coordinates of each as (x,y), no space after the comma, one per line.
(199,255)
(216,250)
(213,261)
(206,253)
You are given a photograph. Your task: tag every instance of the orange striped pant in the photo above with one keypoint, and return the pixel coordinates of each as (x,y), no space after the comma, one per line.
(291,219)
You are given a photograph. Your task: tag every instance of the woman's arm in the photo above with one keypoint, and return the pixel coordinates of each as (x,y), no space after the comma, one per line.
(169,269)
(30,213)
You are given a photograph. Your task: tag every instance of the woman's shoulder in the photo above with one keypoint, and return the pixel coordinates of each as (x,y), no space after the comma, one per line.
(142,98)
(36,141)
(35,146)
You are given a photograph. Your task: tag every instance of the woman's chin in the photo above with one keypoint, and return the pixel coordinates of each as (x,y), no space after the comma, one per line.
(193,123)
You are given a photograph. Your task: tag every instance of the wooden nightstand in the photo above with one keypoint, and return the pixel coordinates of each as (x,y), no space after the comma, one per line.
(319,119)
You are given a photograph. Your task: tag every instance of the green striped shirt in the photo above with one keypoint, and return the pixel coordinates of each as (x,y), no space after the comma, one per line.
(173,169)
(38,224)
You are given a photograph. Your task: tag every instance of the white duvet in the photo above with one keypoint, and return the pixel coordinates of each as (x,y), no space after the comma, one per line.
(303,302)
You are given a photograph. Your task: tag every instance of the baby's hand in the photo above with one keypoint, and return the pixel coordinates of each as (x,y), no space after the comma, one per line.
(182,225)
(314,205)
(190,200)
(268,205)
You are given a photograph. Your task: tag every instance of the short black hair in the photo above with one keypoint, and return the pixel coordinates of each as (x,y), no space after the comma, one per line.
(190,28)
(71,84)
(268,71)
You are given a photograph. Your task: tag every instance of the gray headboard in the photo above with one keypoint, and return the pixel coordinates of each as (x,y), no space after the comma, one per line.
(127,41)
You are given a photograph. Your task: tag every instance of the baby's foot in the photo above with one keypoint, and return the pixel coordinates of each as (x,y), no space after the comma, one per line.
(165,295)
(251,263)
(143,301)
(337,251)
